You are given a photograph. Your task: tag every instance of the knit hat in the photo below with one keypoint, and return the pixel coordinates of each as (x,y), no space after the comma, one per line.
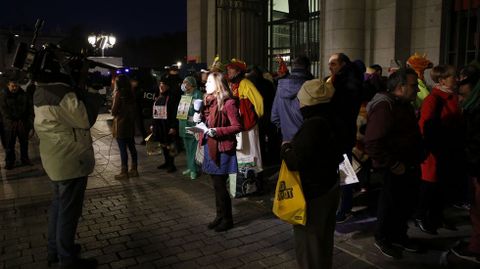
(191,80)
(315,91)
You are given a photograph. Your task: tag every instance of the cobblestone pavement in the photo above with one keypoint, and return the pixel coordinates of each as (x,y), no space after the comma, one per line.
(159,221)
(155,221)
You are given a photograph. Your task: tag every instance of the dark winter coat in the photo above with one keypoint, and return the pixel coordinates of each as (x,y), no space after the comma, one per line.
(314,152)
(472,141)
(346,101)
(123,112)
(392,133)
(16,107)
(161,127)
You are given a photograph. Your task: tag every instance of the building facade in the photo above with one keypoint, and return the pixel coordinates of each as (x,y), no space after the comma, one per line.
(375,31)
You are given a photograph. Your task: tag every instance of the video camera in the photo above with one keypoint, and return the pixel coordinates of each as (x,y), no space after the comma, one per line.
(52,63)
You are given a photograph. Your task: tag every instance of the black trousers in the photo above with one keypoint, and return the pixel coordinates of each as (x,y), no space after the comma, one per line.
(396,204)
(223,201)
(11,136)
(430,203)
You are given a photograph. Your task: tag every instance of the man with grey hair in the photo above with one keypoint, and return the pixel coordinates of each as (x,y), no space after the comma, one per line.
(394,143)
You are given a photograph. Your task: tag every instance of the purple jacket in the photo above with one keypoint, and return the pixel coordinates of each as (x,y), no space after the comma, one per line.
(286,108)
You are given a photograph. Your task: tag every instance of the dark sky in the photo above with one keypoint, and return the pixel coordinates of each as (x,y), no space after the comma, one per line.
(133,18)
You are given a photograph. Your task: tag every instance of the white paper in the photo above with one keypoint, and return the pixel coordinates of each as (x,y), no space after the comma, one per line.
(347,174)
(199,128)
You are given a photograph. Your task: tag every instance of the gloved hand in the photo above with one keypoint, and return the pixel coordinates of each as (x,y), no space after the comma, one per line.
(212,132)
(197,117)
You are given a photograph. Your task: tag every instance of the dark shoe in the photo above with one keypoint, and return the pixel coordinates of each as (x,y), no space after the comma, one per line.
(53,258)
(9,166)
(388,250)
(171,169)
(163,166)
(449,226)
(424,227)
(27,162)
(214,223)
(224,226)
(461,251)
(339,219)
(80,264)
(408,245)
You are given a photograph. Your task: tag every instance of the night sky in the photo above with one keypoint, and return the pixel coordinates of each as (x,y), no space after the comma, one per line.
(124,19)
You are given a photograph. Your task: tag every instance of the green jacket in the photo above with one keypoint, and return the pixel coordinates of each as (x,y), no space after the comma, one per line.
(196,94)
(63,128)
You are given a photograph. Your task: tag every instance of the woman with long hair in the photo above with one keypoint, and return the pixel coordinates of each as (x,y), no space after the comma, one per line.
(123,108)
(220,114)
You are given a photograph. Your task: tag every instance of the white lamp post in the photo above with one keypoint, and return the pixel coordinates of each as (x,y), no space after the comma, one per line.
(102,42)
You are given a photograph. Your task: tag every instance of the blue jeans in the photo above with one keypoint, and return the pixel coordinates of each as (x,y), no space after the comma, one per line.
(123,143)
(65,210)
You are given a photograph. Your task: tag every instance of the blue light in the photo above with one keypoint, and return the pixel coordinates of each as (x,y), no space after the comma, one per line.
(127,70)
(118,72)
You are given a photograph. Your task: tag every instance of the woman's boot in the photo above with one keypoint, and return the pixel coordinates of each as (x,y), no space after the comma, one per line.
(123,174)
(133,171)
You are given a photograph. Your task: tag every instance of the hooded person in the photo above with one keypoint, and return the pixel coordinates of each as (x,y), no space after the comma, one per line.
(315,153)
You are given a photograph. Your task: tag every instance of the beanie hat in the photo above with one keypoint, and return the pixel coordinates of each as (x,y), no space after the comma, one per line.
(191,80)
(315,91)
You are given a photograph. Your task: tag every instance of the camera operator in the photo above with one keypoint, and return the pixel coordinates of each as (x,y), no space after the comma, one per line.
(63,117)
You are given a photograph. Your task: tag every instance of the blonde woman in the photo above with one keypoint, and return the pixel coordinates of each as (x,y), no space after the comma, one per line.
(220,114)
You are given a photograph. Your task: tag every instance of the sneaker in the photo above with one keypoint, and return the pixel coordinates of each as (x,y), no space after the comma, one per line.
(465,206)
(425,227)
(186,172)
(388,250)
(343,218)
(462,252)
(408,245)
(193,175)
(80,264)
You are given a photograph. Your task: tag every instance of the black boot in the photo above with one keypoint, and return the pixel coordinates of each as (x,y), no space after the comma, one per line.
(224,225)
(214,223)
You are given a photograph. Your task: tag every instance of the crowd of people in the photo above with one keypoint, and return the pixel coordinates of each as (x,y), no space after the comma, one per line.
(415,139)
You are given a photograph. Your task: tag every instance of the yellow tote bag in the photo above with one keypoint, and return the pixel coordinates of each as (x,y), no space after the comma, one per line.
(289,203)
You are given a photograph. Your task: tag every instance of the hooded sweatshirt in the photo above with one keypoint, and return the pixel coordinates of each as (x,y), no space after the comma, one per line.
(286,108)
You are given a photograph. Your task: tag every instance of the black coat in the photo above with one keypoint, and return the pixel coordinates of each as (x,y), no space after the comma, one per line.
(315,153)
(161,127)
(472,141)
(16,107)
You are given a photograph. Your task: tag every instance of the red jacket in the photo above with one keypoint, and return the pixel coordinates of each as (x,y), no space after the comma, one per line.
(440,119)
(227,124)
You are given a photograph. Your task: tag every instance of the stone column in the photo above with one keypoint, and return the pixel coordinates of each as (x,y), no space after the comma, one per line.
(344,29)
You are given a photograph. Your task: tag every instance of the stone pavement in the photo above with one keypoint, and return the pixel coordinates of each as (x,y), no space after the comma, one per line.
(159,221)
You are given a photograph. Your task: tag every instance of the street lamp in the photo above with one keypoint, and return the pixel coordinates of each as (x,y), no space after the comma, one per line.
(102,41)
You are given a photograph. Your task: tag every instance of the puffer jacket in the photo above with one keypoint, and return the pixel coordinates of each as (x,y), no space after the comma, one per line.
(63,128)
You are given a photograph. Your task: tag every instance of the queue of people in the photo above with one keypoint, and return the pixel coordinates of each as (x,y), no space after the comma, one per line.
(425,143)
